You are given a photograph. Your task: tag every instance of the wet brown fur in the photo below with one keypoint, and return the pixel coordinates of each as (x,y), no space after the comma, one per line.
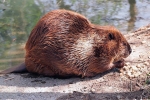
(65,43)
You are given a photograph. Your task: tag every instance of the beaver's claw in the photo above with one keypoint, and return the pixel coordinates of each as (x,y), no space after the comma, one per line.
(120,63)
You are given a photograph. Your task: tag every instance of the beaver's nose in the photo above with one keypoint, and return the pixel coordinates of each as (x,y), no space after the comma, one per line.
(129,48)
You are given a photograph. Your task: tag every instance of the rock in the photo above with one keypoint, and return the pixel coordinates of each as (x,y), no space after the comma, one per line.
(93,90)
(127,63)
(137,74)
(125,68)
(148,45)
(134,68)
(125,73)
(118,97)
(143,42)
(138,65)
(121,74)
(139,37)
(146,63)
(129,74)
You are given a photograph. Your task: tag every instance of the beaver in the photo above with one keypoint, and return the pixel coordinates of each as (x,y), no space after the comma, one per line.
(65,43)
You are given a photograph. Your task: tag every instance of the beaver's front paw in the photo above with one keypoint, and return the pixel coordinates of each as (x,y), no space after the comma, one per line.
(120,63)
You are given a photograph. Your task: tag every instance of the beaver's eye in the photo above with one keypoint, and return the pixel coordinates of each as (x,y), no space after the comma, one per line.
(111,36)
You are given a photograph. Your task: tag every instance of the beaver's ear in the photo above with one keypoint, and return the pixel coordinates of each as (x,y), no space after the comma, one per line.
(97,52)
(111,36)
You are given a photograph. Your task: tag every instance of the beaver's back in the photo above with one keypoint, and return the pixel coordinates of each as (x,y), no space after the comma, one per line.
(51,42)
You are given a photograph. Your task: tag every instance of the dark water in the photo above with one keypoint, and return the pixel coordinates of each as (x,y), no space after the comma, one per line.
(18,17)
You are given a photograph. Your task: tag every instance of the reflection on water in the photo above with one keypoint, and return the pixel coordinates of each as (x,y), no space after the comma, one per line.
(133,11)
(18,17)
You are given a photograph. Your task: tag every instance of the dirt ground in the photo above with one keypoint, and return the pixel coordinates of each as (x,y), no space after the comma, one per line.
(130,83)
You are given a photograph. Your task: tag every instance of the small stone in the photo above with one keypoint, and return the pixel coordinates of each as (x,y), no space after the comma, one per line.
(140,60)
(138,37)
(130,74)
(82,97)
(100,79)
(129,67)
(148,45)
(142,66)
(134,47)
(138,66)
(121,74)
(93,90)
(127,63)
(125,73)
(146,63)
(141,56)
(134,68)
(125,68)
(118,97)
(143,42)
(137,74)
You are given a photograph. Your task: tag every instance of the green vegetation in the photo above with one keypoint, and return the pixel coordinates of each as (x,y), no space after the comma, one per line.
(16,21)
(148,79)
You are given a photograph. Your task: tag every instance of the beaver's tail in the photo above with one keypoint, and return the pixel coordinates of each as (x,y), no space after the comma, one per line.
(17,69)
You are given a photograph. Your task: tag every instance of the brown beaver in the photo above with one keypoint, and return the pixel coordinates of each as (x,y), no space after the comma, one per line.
(65,43)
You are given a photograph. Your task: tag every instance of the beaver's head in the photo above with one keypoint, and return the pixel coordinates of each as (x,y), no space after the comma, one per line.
(111,43)
(123,48)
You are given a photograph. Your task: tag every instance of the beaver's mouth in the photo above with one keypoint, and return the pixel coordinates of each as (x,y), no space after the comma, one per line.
(118,60)
(119,63)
